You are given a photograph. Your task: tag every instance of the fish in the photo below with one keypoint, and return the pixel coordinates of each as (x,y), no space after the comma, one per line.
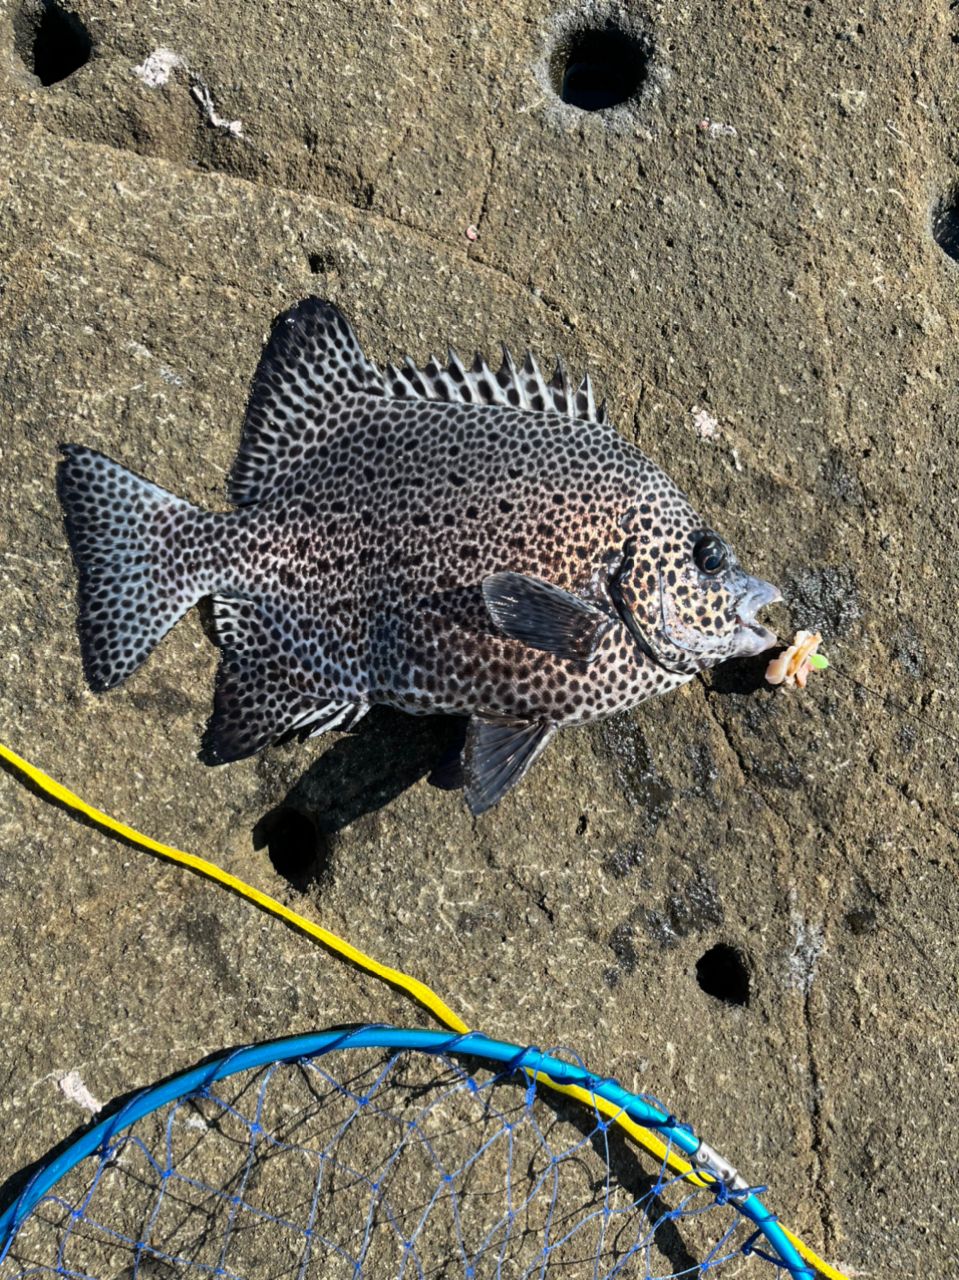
(444,539)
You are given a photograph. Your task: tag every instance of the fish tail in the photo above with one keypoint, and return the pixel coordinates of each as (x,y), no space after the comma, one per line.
(138,573)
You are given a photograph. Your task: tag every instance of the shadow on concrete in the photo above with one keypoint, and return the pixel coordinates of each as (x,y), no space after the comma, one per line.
(359,774)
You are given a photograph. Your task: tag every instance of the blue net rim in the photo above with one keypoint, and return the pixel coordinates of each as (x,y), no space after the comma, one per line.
(482,1049)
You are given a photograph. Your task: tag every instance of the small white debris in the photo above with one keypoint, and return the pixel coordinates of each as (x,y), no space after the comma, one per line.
(704,424)
(803,959)
(716,129)
(471,232)
(72,1087)
(204,97)
(155,70)
(166,373)
(851,101)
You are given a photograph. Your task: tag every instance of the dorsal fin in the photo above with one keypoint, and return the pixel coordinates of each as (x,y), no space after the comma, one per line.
(520,388)
(310,363)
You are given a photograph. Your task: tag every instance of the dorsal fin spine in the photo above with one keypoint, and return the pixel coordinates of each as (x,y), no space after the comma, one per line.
(521,388)
(586,403)
(506,374)
(416,380)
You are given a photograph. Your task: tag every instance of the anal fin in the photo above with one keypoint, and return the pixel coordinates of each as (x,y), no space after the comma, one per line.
(498,753)
(262,694)
(332,715)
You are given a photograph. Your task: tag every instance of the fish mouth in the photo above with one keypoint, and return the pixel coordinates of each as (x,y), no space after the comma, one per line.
(752,637)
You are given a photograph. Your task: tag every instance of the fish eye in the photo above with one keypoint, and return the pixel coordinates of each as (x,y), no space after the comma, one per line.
(710,554)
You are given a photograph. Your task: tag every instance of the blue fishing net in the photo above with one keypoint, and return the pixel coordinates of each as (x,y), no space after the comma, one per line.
(377,1163)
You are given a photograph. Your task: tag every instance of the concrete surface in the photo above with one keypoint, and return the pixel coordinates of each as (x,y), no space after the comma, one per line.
(752,237)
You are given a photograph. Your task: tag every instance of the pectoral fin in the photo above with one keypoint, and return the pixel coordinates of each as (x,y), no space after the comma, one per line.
(545,617)
(497,754)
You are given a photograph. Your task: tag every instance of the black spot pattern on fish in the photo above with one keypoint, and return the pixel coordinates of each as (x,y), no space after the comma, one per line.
(370,510)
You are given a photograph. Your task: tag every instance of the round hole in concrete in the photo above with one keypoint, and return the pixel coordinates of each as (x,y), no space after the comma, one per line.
(291,840)
(945,225)
(860,920)
(595,68)
(322,262)
(722,972)
(50,41)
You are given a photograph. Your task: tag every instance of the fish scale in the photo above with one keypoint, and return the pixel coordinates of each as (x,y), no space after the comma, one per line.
(440,539)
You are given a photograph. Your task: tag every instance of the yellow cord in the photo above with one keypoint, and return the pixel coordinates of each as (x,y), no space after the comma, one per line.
(419,991)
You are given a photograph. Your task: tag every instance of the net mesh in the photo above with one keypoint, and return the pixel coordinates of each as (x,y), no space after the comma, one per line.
(378,1164)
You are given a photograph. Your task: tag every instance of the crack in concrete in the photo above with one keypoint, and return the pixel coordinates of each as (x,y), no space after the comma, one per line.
(797,833)
(484,206)
(818,1145)
(416,233)
(388,162)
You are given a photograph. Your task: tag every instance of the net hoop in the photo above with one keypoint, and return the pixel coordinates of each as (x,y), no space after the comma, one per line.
(473,1045)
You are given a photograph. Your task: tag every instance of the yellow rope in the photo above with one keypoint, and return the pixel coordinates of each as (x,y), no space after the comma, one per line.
(419,991)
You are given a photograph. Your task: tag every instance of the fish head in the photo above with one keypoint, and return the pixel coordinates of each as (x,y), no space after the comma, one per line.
(684,596)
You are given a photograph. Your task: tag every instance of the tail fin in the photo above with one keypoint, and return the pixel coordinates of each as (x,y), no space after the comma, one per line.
(133,587)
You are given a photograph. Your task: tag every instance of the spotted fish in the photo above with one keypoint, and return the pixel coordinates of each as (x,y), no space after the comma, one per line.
(444,539)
